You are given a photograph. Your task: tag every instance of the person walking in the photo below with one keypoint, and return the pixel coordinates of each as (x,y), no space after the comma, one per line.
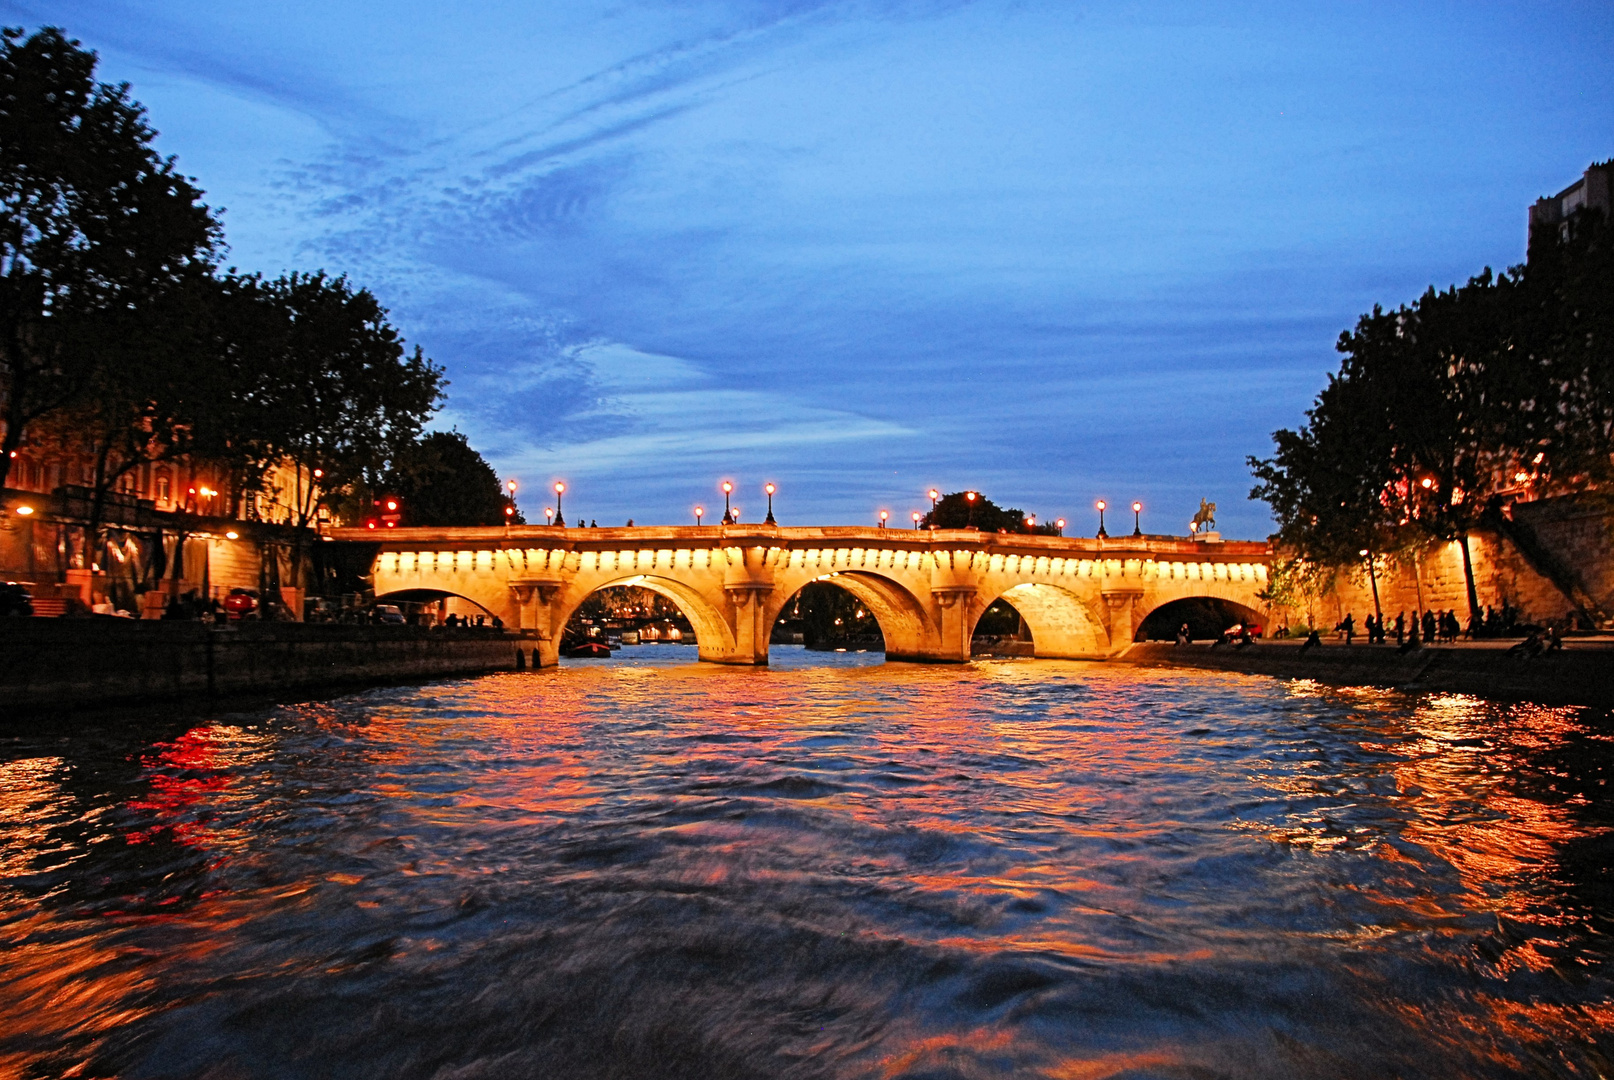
(1400,628)
(1348,624)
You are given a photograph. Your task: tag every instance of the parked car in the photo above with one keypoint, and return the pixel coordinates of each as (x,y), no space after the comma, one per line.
(389,614)
(15,599)
(241,604)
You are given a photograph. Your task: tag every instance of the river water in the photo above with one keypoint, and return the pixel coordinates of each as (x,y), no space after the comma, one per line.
(829,868)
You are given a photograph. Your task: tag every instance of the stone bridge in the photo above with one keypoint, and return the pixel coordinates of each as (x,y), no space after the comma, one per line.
(1081,597)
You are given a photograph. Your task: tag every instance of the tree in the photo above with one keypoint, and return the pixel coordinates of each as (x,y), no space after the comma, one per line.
(341,396)
(1566,311)
(443,481)
(1444,409)
(96,229)
(959,510)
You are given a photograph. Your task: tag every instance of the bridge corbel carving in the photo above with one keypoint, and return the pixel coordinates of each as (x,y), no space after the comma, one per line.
(1081,597)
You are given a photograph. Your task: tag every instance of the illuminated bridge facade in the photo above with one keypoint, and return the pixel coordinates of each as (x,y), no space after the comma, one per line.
(1081,597)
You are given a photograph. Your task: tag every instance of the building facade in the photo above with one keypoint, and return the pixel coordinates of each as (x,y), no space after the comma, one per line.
(1550,216)
(165,530)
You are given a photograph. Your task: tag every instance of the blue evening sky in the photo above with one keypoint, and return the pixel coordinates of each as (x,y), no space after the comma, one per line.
(1052,251)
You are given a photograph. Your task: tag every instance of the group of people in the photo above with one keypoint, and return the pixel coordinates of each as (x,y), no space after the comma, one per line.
(479,620)
(1428,628)
(1443,627)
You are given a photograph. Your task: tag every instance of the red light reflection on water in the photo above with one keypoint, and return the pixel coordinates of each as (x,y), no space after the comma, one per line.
(184,776)
(1061,817)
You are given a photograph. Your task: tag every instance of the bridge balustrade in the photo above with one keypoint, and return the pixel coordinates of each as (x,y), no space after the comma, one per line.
(1082,597)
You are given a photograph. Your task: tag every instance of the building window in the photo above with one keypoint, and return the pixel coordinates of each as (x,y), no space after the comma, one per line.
(163,489)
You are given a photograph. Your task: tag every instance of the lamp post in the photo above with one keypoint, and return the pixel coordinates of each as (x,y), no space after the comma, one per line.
(560,489)
(969,496)
(1101,504)
(884,514)
(1060,525)
(728,515)
(549,515)
(1031,522)
(770,489)
(916,518)
(699,510)
(1137,519)
(934,495)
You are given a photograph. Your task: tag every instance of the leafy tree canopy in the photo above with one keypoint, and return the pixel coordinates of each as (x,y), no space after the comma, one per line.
(1446,408)
(97,231)
(443,481)
(958,510)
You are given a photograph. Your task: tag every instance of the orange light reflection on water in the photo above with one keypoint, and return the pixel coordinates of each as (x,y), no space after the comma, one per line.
(1108,822)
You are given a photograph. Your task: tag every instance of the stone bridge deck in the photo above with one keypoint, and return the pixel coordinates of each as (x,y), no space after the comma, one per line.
(1081,597)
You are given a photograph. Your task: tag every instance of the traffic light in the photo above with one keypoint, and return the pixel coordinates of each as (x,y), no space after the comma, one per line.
(385,513)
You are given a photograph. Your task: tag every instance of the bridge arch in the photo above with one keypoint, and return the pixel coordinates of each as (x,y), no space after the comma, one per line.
(902,618)
(712,633)
(1062,625)
(431,596)
(1206,616)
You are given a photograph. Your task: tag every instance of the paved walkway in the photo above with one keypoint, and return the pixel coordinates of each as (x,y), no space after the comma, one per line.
(1575,643)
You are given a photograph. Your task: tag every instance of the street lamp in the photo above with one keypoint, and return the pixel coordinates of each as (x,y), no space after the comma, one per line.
(1031,521)
(770,489)
(699,510)
(884,514)
(1137,519)
(916,517)
(1060,524)
(934,495)
(969,496)
(728,515)
(1101,504)
(560,489)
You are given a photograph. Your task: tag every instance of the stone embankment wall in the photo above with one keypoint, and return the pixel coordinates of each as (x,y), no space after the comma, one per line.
(61,664)
(1576,533)
(1575,676)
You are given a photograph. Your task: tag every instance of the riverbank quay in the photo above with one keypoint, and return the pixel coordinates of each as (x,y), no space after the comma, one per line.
(1582,673)
(62,665)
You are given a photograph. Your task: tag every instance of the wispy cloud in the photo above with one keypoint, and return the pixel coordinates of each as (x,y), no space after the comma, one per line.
(868,246)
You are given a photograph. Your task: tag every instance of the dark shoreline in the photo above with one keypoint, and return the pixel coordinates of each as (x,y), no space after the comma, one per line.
(1582,674)
(70,665)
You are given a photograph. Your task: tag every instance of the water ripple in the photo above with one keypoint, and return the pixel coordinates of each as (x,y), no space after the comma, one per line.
(660,869)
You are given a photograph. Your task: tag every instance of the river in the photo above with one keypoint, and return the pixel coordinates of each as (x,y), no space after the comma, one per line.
(828,868)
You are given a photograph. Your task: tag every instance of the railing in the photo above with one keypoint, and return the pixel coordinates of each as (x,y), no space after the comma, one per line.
(792,537)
